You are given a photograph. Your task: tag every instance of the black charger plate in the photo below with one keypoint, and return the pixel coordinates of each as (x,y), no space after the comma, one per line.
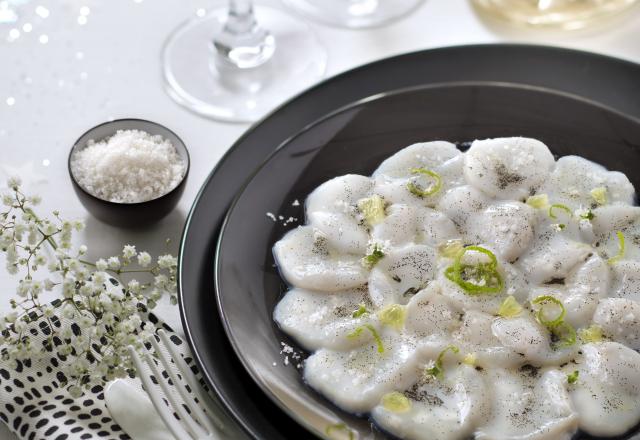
(612,82)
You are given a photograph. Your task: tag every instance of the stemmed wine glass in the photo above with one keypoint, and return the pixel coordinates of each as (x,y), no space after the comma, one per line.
(237,63)
(354,13)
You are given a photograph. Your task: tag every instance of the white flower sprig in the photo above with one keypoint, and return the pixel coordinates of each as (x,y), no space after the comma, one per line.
(102,318)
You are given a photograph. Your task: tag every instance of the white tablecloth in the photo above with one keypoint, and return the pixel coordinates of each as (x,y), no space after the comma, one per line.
(70,73)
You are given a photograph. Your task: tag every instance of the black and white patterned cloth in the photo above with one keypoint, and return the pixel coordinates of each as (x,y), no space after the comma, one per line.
(35,406)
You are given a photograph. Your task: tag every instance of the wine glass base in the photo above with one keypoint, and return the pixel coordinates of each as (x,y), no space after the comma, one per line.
(201,80)
(354,13)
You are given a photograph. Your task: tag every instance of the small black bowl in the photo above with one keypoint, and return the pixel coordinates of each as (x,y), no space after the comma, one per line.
(129,215)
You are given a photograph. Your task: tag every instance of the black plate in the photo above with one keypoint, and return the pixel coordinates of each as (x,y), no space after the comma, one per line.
(613,82)
(356,140)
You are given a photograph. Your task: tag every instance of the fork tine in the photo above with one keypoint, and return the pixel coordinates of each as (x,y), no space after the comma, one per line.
(194,429)
(162,409)
(196,411)
(205,400)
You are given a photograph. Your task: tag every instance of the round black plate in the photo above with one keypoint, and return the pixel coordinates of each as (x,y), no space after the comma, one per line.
(356,140)
(613,82)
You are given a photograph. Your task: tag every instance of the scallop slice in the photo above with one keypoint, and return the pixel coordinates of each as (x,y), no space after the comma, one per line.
(607,392)
(626,280)
(552,257)
(529,406)
(476,337)
(342,231)
(429,313)
(619,319)
(611,218)
(356,380)
(445,409)
(305,260)
(321,319)
(462,205)
(525,336)
(574,177)
(340,195)
(401,273)
(508,168)
(393,175)
(405,224)
(507,226)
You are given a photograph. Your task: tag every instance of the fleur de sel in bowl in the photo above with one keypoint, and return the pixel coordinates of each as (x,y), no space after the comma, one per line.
(132,166)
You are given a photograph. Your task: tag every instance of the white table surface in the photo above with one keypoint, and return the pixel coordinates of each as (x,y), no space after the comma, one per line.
(64,77)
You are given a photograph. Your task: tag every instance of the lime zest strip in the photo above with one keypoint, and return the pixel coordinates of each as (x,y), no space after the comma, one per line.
(372,259)
(437,370)
(592,333)
(566,335)
(559,206)
(358,331)
(416,190)
(510,308)
(540,315)
(362,310)
(573,377)
(372,209)
(396,402)
(621,247)
(599,194)
(539,201)
(489,279)
(393,315)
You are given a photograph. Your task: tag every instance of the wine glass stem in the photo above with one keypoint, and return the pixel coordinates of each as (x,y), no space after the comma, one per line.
(242,42)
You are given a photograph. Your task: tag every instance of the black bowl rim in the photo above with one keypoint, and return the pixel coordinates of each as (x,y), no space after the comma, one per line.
(189,331)
(227,217)
(135,204)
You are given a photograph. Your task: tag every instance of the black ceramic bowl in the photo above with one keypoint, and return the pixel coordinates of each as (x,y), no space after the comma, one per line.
(130,215)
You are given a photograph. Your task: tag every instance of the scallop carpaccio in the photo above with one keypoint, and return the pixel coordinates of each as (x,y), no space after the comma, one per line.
(490,294)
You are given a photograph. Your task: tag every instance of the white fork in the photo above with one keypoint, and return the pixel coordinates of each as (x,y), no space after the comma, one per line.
(194,423)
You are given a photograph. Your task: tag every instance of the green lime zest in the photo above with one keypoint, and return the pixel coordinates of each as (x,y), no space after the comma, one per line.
(599,194)
(564,335)
(420,192)
(396,402)
(540,201)
(362,310)
(358,331)
(592,333)
(486,277)
(541,315)
(372,259)
(393,315)
(565,208)
(470,359)
(589,215)
(573,377)
(510,308)
(437,370)
(620,255)
(372,209)
(338,428)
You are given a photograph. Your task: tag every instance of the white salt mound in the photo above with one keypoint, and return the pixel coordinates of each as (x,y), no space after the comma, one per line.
(129,167)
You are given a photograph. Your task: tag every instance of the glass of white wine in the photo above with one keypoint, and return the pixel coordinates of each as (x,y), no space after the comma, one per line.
(238,62)
(565,14)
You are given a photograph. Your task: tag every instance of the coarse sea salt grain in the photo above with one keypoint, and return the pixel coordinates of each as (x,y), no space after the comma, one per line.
(131,166)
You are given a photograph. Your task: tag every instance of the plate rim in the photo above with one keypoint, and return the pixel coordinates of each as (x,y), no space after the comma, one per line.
(185,294)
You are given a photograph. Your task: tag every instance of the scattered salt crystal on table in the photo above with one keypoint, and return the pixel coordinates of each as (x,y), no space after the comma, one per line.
(131,166)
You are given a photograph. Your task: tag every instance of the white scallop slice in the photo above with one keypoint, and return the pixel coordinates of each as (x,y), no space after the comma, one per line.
(529,407)
(321,319)
(429,313)
(619,319)
(574,177)
(406,223)
(339,195)
(475,336)
(342,231)
(441,409)
(401,273)
(306,261)
(611,218)
(626,280)
(356,380)
(462,205)
(508,226)
(508,168)
(532,341)
(607,392)
(393,175)
(552,256)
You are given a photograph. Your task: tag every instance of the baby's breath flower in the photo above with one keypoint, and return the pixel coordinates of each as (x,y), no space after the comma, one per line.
(134,286)
(14,183)
(129,252)
(114,263)
(102,264)
(7,200)
(144,259)
(166,261)
(82,250)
